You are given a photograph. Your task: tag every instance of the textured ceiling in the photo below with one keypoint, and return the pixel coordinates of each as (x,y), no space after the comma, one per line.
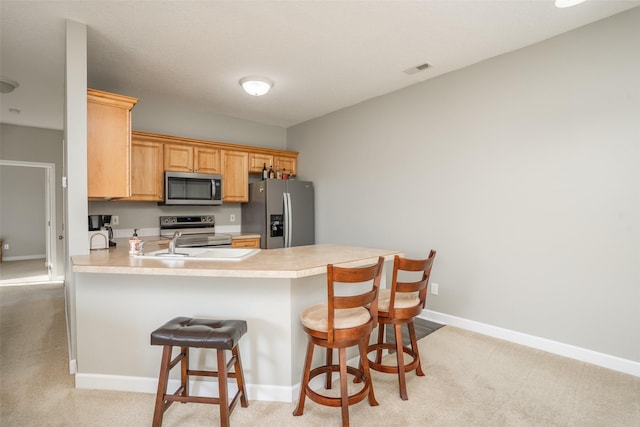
(322,55)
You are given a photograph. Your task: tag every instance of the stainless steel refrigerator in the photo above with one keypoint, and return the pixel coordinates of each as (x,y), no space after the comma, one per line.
(281,211)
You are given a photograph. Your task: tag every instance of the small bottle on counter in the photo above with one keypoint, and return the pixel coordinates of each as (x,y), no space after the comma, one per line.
(272,174)
(278,173)
(134,243)
(265,173)
(285,175)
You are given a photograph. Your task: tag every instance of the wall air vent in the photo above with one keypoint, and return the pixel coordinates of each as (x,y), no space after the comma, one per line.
(417,68)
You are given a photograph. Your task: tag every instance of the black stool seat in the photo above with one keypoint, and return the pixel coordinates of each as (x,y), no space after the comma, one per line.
(200,333)
(186,333)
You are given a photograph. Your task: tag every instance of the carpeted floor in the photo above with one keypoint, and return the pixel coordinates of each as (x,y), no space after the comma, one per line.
(23,271)
(471,380)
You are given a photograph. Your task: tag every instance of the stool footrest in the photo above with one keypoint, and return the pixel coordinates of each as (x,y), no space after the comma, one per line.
(356,397)
(392,369)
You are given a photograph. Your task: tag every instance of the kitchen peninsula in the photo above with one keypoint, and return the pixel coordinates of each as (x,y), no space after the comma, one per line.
(120,299)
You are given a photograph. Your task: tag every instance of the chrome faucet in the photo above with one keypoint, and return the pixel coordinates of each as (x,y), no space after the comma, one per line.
(172,242)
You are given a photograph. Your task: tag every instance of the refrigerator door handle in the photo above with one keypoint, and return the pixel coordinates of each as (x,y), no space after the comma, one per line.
(288,219)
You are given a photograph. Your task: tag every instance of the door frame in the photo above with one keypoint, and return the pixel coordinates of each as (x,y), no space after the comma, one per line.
(50,210)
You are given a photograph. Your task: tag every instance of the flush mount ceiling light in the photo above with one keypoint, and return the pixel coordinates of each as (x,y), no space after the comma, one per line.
(256,86)
(567,3)
(7,85)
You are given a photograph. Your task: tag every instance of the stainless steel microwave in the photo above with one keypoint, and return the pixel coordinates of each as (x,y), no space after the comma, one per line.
(187,188)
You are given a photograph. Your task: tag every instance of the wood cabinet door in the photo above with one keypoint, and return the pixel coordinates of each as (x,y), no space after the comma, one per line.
(178,157)
(235,176)
(258,160)
(286,163)
(207,160)
(108,144)
(147,171)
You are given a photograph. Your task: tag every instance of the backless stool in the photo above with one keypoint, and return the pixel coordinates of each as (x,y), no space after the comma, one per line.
(399,306)
(345,320)
(185,332)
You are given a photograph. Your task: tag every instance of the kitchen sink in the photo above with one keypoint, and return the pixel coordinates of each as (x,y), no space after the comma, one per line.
(202,254)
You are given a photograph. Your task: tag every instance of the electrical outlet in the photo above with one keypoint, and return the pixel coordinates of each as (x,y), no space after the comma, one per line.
(115,220)
(6,246)
(232,218)
(434,288)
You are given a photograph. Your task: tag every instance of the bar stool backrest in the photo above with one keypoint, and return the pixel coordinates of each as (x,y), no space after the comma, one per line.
(366,297)
(420,286)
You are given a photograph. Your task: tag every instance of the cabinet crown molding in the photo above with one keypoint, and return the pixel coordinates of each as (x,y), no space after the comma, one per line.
(217,144)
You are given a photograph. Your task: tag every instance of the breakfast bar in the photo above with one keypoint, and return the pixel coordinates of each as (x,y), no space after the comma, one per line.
(120,299)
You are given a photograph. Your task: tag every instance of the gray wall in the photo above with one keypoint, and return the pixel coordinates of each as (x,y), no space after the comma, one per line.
(23,212)
(28,144)
(521,171)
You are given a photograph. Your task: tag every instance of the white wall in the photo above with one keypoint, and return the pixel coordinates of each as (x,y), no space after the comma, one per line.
(521,171)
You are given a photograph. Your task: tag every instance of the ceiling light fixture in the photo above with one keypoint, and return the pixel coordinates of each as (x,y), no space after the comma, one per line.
(567,3)
(256,86)
(7,85)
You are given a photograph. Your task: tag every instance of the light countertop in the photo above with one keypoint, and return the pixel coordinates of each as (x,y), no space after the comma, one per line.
(293,262)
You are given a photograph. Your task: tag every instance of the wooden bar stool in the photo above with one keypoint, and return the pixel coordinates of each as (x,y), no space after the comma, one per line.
(399,306)
(185,332)
(346,320)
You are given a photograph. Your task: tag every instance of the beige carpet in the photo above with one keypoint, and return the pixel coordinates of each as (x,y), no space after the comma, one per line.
(471,380)
(23,271)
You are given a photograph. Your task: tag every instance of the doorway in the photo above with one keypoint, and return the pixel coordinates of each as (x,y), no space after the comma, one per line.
(29,223)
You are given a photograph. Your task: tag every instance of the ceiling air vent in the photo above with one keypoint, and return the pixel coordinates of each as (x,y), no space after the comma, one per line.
(417,68)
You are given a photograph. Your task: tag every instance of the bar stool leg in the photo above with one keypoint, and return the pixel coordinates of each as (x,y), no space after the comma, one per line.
(184,372)
(222,389)
(344,395)
(402,381)
(381,330)
(329,362)
(366,371)
(306,373)
(414,346)
(163,378)
(240,377)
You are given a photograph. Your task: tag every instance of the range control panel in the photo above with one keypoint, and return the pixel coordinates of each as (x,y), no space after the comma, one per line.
(176,222)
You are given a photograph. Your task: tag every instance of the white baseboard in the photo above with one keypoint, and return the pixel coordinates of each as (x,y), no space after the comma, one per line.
(23,257)
(584,355)
(197,387)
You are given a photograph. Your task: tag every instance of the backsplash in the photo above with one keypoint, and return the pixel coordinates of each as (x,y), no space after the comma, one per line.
(145,216)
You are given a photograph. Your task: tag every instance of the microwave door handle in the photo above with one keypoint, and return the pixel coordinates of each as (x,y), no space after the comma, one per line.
(213,189)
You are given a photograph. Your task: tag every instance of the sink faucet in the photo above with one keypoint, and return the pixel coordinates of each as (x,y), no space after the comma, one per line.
(172,242)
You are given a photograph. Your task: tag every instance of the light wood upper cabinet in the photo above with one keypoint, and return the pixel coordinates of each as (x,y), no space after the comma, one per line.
(235,176)
(206,159)
(286,163)
(178,157)
(258,160)
(191,158)
(147,170)
(108,144)
(234,162)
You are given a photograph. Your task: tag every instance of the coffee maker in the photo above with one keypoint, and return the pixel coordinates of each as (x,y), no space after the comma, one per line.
(101,223)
